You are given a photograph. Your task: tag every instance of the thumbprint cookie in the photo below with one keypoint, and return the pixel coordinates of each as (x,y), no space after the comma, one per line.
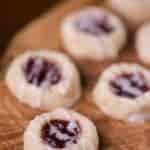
(123,92)
(135,12)
(44,79)
(61,129)
(93,33)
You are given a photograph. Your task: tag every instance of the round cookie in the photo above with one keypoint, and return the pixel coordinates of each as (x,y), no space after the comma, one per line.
(123,92)
(44,79)
(93,34)
(135,12)
(61,129)
(143,44)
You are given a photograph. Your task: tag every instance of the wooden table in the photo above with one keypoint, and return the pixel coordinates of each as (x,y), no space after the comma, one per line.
(44,33)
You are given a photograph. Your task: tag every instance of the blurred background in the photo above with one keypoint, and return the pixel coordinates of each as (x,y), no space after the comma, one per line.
(15,14)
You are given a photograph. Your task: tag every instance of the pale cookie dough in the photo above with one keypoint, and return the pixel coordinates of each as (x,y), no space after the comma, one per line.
(61,129)
(93,33)
(135,12)
(44,79)
(123,92)
(143,43)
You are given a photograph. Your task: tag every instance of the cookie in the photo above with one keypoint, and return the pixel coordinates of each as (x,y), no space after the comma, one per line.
(123,92)
(61,129)
(143,44)
(93,34)
(135,12)
(44,79)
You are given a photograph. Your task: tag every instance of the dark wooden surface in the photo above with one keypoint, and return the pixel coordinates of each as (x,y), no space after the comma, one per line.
(14,14)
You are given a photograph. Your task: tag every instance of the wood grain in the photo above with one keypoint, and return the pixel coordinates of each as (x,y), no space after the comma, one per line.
(44,33)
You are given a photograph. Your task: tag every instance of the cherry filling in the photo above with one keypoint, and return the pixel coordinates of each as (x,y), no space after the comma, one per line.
(94,25)
(39,71)
(130,85)
(60,133)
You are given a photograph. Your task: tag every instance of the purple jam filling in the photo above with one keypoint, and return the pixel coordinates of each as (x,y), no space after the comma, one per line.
(130,85)
(59,133)
(94,25)
(39,71)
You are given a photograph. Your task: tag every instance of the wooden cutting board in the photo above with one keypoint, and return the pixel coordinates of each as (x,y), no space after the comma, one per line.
(44,33)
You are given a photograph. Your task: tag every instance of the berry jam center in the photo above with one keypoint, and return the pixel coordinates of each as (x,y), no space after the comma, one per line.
(130,85)
(39,71)
(60,133)
(94,25)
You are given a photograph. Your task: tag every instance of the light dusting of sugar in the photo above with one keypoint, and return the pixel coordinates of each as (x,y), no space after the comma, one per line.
(126,86)
(59,135)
